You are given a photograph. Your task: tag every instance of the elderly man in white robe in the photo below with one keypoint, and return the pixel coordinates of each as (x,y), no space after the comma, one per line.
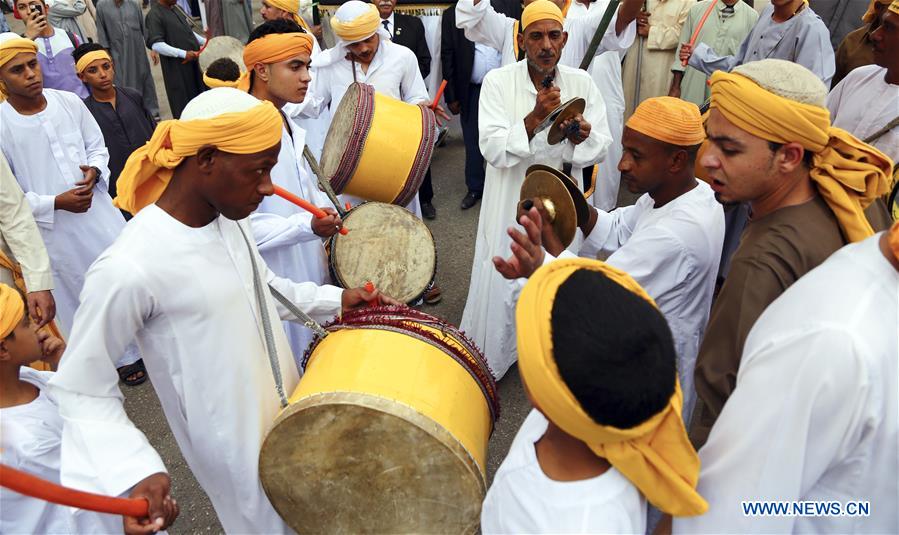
(56,152)
(813,417)
(290,240)
(185,279)
(514,100)
(482,24)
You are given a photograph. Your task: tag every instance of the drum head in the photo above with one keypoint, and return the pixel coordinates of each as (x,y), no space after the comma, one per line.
(348,462)
(388,246)
(219,47)
(346,135)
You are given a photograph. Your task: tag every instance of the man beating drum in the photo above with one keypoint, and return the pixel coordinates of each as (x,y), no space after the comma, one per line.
(185,280)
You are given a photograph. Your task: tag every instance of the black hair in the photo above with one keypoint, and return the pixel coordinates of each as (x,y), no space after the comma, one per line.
(807,155)
(614,350)
(267,28)
(83,49)
(224,69)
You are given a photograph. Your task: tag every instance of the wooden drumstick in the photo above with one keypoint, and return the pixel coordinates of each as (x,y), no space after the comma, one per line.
(29,485)
(304,204)
(699,27)
(433,105)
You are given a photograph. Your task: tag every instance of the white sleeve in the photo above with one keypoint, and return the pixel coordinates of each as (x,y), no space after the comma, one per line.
(611,231)
(821,384)
(94,144)
(482,24)
(656,259)
(594,148)
(413,85)
(272,231)
(165,49)
(102,450)
(321,303)
(18,229)
(503,139)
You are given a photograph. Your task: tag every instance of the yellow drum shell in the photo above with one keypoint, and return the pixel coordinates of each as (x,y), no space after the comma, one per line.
(385,433)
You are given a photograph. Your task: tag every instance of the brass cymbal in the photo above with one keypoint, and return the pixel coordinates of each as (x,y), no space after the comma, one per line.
(565,111)
(551,190)
(582,209)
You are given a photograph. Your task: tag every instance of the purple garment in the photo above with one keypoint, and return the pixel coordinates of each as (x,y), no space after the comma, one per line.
(58,65)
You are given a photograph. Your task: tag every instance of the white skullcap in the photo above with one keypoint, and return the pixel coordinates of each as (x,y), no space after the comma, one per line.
(218,101)
(786,79)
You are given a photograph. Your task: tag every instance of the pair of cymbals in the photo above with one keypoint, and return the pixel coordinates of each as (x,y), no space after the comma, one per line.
(565,111)
(568,202)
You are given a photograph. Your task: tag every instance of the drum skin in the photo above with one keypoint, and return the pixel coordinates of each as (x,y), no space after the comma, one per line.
(386,433)
(386,245)
(378,148)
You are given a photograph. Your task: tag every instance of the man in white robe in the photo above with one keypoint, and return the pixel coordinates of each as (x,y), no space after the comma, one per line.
(288,237)
(669,241)
(187,281)
(483,25)
(814,413)
(511,106)
(56,152)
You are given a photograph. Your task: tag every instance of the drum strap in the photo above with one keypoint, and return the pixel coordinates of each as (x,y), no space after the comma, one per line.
(266,322)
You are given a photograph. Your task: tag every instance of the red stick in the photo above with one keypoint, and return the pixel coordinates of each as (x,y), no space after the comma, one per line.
(304,204)
(439,94)
(699,26)
(29,485)
(370,288)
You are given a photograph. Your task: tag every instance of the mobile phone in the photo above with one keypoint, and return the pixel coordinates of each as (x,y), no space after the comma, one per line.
(36,8)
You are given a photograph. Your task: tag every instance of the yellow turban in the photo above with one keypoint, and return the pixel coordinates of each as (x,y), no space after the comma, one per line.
(149,169)
(276,47)
(870,13)
(541,10)
(849,174)
(292,7)
(11,48)
(894,7)
(89,58)
(656,456)
(360,27)
(12,309)
(669,119)
(241,84)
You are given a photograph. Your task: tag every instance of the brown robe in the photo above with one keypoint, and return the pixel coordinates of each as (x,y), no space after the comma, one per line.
(774,252)
(855,51)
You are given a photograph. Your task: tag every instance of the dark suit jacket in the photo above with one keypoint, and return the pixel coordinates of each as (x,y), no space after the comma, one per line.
(410,32)
(457,52)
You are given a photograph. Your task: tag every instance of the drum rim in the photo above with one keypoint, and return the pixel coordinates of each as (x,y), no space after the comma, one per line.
(364,95)
(423,157)
(390,407)
(336,276)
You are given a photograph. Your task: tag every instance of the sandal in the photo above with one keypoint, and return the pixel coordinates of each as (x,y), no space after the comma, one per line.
(136,371)
(433,295)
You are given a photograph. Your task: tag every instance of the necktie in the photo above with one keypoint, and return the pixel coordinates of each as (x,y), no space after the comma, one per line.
(386,24)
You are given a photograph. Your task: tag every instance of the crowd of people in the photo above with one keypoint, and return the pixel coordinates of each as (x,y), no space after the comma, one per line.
(728,339)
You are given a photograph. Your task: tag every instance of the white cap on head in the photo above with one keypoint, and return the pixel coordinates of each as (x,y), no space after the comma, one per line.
(218,101)
(786,79)
(6,36)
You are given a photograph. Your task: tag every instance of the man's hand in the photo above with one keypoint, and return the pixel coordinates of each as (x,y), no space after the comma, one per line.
(643,24)
(163,509)
(359,297)
(35,24)
(686,50)
(41,307)
(192,55)
(77,200)
(317,31)
(327,226)
(552,244)
(548,99)
(52,348)
(674,89)
(154,57)
(581,134)
(527,249)
(455,107)
(90,177)
(441,114)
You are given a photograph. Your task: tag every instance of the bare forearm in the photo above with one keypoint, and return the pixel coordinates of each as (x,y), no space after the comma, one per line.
(627,13)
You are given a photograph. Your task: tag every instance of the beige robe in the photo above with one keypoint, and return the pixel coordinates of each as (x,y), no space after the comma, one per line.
(665,23)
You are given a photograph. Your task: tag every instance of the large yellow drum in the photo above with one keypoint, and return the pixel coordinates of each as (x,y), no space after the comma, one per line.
(378,148)
(387,431)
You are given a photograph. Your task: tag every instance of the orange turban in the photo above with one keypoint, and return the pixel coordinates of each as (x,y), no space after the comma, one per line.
(12,309)
(276,47)
(541,10)
(669,119)
(870,13)
(11,48)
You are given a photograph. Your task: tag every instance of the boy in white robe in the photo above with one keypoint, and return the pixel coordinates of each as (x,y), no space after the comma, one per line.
(814,413)
(513,102)
(669,241)
(56,151)
(187,281)
(277,57)
(597,361)
(482,24)
(31,428)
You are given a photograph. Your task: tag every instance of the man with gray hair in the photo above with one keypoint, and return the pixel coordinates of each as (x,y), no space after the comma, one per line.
(771,145)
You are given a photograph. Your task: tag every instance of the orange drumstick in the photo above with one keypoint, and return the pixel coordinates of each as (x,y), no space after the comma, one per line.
(699,26)
(304,204)
(370,288)
(29,485)
(439,94)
